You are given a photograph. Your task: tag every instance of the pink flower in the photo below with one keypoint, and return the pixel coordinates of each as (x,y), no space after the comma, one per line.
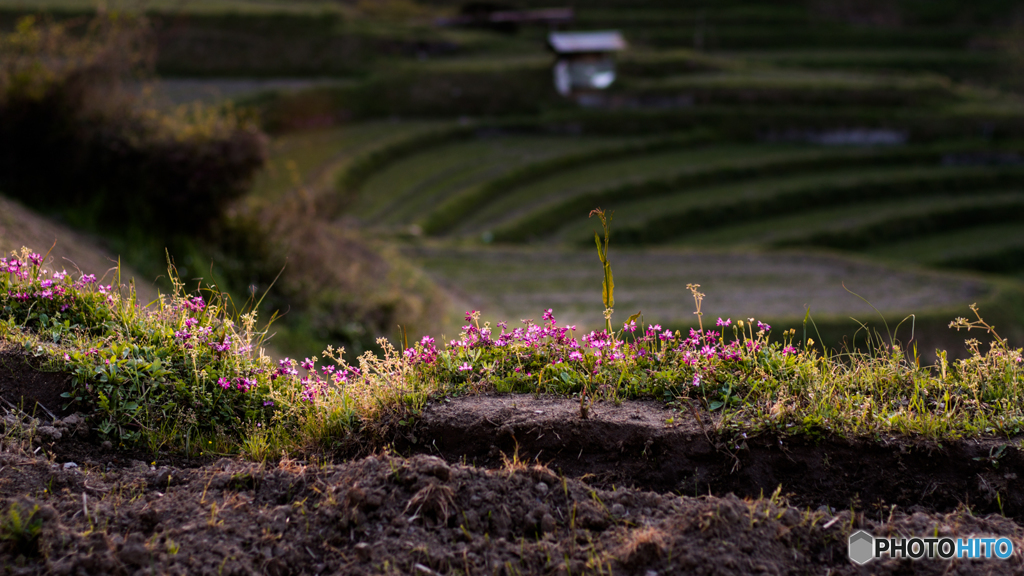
(575,355)
(723,322)
(224,383)
(466,367)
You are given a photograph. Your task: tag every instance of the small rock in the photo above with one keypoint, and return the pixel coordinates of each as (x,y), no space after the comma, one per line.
(73,420)
(70,465)
(542,488)
(162,480)
(74,424)
(106,445)
(374,500)
(432,466)
(364,552)
(49,433)
(547,523)
(135,555)
(618,510)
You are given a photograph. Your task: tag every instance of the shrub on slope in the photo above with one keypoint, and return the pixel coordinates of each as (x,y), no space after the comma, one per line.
(72,140)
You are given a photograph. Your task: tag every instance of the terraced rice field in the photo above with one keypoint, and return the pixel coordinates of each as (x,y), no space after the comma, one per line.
(412,186)
(699,192)
(722,210)
(515,283)
(315,158)
(738,140)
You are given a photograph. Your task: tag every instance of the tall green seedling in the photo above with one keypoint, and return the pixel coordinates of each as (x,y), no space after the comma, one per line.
(608,285)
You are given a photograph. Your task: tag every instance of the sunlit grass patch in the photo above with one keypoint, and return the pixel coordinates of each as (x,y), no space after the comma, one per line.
(188,374)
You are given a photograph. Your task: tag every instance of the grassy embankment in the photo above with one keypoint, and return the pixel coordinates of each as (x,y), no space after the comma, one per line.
(185,374)
(670,103)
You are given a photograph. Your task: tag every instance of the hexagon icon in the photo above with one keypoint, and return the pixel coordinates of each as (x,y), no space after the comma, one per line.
(861,547)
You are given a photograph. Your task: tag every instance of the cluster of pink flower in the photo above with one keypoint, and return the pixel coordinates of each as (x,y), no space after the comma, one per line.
(425,353)
(698,349)
(52,288)
(242,384)
(313,384)
(191,335)
(18,268)
(193,304)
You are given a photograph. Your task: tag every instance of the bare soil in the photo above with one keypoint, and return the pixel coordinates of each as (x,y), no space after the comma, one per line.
(504,485)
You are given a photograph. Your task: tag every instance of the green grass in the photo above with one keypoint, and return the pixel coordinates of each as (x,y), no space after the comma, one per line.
(188,6)
(862,226)
(514,283)
(536,212)
(406,190)
(799,80)
(305,157)
(184,375)
(954,245)
(538,196)
(664,218)
(955,61)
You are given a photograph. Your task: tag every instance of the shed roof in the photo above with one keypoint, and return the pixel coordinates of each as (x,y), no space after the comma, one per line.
(576,42)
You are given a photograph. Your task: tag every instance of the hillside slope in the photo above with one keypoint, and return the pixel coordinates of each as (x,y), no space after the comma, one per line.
(72,250)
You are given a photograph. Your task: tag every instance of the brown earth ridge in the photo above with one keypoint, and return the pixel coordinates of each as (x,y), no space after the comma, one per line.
(488,484)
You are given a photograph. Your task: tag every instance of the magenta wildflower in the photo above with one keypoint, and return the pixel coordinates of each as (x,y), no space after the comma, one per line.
(723,322)
(466,367)
(224,383)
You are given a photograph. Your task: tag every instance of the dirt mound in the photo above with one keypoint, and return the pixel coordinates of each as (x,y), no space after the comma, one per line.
(513,485)
(648,446)
(30,389)
(385,514)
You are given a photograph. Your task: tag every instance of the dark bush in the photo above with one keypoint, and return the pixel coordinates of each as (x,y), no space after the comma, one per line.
(74,141)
